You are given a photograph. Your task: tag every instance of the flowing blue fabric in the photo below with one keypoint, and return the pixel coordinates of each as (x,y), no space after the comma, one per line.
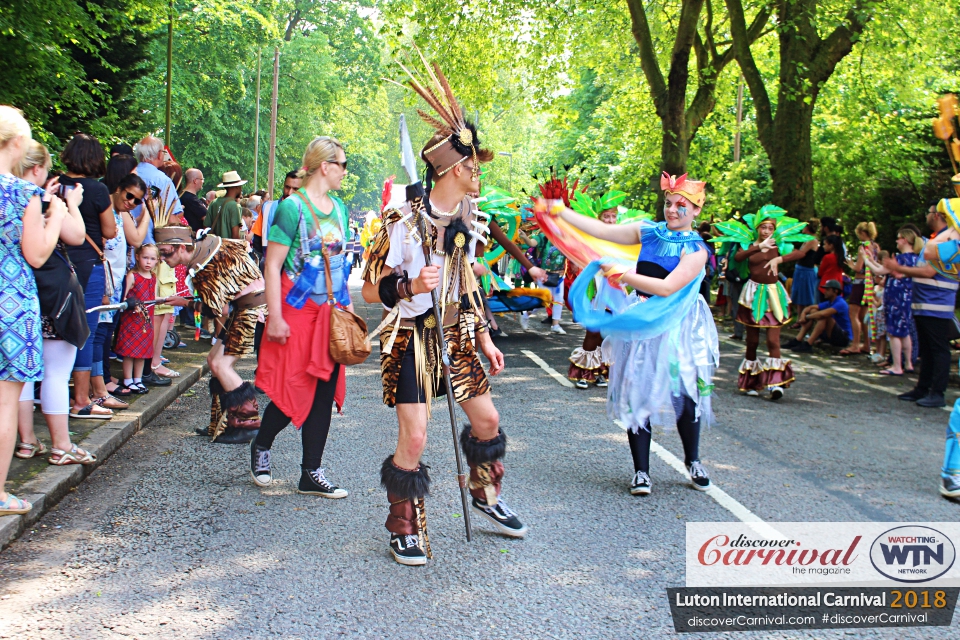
(632,318)
(951,452)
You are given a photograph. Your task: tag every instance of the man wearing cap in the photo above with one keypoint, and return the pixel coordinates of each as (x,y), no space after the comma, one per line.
(223,215)
(231,288)
(830,319)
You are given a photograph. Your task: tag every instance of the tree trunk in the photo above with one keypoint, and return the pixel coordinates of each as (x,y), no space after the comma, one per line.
(791,159)
(806,62)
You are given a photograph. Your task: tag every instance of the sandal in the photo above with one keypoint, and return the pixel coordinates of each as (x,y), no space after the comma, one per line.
(34,450)
(109,402)
(848,352)
(76,455)
(889,372)
(92,412)
(14,505)
(140,388)
(123,391)
(170,373)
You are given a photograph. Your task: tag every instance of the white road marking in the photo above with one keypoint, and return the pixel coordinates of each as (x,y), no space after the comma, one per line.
(838,374)
(550,370)
(722,498)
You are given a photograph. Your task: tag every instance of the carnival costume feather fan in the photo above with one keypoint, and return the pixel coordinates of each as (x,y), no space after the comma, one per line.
(788,230)
(578,246)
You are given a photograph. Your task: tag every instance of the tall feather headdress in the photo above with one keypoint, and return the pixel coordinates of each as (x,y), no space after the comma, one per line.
(460,139)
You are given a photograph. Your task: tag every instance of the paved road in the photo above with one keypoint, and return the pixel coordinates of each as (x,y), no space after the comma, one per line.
(170,538)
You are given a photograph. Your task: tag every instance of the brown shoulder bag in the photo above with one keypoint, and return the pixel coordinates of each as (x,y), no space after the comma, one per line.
(348,332)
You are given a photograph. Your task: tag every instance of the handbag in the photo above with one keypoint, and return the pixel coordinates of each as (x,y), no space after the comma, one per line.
(349,343)
(61,298)
(552,281)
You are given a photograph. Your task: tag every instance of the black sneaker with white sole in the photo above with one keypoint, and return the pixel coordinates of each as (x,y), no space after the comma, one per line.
(501,517)
(950,487)
(406,550)
(698,476)
(601,382)
(260,465)
(581,384)
(640,485)
(313,482)
(776,393)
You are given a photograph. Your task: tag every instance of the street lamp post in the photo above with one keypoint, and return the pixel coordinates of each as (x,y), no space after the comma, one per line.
(509,155)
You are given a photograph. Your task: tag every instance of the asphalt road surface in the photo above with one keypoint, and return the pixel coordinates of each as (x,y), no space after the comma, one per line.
(171,538)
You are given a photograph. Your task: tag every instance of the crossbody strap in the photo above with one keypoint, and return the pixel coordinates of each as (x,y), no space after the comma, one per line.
(316,217)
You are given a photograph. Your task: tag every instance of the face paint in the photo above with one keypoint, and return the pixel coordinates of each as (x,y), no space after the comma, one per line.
(681,211)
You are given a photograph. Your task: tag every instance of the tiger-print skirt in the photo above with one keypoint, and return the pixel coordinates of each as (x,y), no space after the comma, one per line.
(237,333)
(466,371)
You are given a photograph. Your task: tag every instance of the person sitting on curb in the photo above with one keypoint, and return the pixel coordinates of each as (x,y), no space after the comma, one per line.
(830,319)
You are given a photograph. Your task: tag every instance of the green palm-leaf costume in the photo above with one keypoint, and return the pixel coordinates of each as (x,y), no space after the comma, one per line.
(768,297)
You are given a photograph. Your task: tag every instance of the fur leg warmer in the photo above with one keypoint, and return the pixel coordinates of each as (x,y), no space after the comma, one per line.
(486,468)
(405,491)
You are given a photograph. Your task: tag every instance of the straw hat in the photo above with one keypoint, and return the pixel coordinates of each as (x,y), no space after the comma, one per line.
(231,179)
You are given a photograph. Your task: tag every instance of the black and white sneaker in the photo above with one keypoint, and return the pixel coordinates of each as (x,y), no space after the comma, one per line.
(501,517)
(581,384)
(698,476)
(601,382)
(406,550)
(260,465)
(776,393)
(640,485)
(950,487)
(314,483)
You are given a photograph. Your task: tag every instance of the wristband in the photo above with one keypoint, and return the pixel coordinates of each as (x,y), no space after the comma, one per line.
(387,288)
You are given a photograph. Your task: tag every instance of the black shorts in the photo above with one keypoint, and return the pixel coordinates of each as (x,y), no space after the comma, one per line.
(856,294)
(837,336)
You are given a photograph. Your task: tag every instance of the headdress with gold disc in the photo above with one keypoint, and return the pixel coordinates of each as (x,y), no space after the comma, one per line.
(460,140)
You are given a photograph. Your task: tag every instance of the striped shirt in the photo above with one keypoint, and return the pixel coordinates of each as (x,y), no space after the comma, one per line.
(934,297)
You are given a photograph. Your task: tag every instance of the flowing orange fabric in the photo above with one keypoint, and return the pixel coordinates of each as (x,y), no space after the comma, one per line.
(581,248)
(289,372)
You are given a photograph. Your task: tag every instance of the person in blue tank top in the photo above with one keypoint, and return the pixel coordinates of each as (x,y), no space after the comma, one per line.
(662,340)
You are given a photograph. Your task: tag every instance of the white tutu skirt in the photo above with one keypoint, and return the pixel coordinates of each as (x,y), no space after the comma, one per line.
(649,378)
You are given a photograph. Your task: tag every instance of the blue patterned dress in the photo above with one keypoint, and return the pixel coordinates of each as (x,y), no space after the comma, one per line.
(898,299)
(21,348)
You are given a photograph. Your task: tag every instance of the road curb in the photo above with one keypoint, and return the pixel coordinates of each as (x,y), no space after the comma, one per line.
(53,483)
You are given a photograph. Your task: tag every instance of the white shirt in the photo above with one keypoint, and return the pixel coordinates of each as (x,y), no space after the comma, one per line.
(408,257)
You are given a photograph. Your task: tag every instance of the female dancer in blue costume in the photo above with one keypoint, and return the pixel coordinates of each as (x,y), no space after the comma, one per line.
(662,337)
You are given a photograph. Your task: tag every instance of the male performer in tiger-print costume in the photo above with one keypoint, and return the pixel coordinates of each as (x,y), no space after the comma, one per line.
(396,275)
(231,289)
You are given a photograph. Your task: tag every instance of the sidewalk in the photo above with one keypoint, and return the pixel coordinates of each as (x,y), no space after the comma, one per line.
(44,485)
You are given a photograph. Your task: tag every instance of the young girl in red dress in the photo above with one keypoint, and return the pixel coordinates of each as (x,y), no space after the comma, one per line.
(135,335)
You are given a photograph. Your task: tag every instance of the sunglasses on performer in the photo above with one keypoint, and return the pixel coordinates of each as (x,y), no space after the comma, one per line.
(130,196)
(342,164)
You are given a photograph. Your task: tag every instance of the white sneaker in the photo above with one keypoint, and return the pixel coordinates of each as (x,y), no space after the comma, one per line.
(555,328)
(753,393)
(524,321)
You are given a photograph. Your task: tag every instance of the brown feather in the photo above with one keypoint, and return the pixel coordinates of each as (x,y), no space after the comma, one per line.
(452,99)
(430,98)
(433,122)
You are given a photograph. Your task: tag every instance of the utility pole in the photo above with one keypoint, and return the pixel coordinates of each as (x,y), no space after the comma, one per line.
(166,128)
(736,139)
(256,131)
(273,123)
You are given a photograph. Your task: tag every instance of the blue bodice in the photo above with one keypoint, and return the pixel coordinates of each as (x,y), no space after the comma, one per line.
(664,247)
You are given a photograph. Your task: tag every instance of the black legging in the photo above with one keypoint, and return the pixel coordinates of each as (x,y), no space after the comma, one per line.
(313,432)
(687,425)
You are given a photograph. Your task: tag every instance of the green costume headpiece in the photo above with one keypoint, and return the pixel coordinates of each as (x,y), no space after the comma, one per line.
(592,208)
(496,202)
(788,230)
